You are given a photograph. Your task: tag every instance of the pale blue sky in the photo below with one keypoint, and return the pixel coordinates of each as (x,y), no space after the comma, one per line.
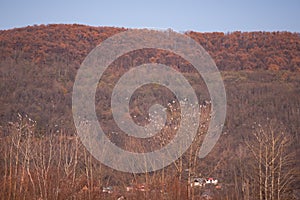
(201,15)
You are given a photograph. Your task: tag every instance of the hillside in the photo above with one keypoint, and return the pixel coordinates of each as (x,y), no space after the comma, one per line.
(46,44)
(39,64)
(261,72)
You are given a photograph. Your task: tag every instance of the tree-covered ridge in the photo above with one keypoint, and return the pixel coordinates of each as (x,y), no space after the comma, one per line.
(231,51)
(252,50)
(45,44)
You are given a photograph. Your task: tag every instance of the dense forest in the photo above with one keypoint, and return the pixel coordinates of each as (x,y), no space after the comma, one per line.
(41,157)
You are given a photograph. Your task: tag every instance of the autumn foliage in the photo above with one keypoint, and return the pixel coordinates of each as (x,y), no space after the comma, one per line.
(45,44)
(38,65)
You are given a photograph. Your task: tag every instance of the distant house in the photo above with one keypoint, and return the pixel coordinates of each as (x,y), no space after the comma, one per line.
(212,181)
(198,182)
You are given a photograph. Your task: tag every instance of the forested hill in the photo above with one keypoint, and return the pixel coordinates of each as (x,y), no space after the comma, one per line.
(261,74)
(47,44)
(38,65)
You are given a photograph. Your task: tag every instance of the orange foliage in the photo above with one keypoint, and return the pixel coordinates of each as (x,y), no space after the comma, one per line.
(48,44)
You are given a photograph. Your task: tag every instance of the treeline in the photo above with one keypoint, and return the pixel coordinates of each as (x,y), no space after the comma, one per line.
(252,50)
(70,44)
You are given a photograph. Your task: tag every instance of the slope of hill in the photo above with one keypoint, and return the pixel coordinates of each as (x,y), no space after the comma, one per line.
(39,64)
(261,72)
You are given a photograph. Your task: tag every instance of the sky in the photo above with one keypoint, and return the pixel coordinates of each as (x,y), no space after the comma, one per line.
(197,15)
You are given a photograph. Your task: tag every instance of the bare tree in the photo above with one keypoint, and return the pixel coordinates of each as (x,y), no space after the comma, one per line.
(270,148)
